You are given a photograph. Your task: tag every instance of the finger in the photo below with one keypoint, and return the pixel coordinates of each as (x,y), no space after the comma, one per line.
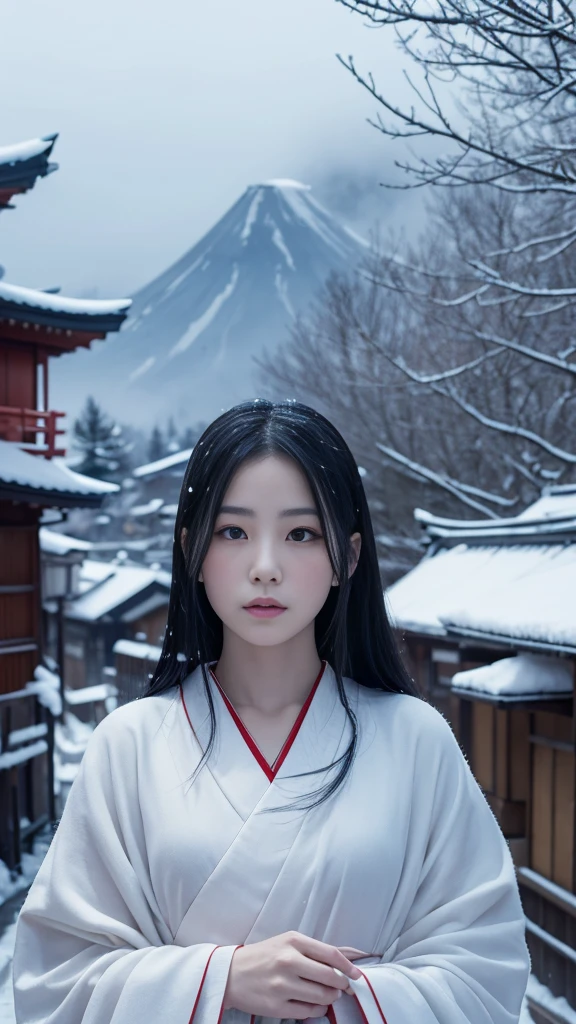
(322,974)
(312,992)
(326,954)
(353,954)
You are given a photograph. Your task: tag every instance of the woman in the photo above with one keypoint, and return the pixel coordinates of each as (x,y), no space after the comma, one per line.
(281,828)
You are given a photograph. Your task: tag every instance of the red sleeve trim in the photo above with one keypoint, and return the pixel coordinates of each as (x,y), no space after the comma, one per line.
(199,993)
(331,1013)
(366,979)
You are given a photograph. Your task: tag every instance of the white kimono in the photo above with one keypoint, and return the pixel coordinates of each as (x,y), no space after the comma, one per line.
(151,884)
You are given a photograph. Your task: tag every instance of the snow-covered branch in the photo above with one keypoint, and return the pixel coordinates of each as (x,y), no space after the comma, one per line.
(517,60)
(508,428)
(458,490)
(525,350)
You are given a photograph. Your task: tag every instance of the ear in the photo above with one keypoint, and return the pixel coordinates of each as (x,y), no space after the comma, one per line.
(356,544)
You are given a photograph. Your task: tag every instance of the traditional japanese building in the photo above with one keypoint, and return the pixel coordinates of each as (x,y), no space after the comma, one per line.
(488,625)
(21,165)
(35,486)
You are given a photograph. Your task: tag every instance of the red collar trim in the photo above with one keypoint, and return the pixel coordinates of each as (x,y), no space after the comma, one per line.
(271,770)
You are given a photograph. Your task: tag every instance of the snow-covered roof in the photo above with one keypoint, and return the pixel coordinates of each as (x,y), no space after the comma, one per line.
(137,649)
(94,572)
(176,459)
(154,505)
(54,543)
(512,580)
(553,513)
(25,150)
(522,675)
(555,503)
(115,585)
(23,475)
(59,303)
(522,593)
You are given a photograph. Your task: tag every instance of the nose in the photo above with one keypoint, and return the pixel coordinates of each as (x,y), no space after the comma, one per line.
(265,567)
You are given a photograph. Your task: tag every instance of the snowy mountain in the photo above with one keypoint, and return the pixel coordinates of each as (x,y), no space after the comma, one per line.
(188,344)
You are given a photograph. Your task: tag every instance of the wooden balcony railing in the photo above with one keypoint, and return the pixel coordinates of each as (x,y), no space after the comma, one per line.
(26,773)
(23,427)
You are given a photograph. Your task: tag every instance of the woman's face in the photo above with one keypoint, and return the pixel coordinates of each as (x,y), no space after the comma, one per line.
(267,542)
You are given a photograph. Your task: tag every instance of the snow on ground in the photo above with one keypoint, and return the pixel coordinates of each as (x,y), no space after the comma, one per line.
(9,886)
(557,1004)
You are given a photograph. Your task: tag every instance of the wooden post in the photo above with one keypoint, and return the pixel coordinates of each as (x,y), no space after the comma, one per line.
(60,619)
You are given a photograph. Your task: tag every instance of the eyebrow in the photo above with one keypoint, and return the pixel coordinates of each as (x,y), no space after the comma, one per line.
(239,510)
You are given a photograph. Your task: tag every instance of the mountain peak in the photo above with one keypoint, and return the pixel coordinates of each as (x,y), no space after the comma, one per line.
(195,332)
(284,183)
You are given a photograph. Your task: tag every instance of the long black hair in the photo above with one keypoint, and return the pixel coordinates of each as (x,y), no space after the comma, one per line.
(352,630)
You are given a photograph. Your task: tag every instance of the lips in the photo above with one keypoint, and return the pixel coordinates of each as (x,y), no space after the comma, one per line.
(264,608)
(265,603)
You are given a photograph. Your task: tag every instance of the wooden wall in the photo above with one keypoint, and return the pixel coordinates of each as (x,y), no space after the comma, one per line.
(524,759)
(20,621)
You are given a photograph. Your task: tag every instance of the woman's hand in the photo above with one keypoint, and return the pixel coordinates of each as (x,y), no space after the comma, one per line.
(352,954)
(288,975)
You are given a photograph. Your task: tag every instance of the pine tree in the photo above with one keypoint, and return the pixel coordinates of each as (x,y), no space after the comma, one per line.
(100,439)
(172,444)
(188,438)
(156,445)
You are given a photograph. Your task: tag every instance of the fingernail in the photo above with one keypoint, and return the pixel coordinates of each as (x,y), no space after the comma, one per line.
(356,973)
(338,994)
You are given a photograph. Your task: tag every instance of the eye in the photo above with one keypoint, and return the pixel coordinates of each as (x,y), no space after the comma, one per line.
(304,529)
(297,529)
(223,531)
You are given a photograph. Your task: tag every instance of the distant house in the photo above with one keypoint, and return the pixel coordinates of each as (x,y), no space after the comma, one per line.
(488,621)
(135,663)
(34,484)
(162,479)
(113,601)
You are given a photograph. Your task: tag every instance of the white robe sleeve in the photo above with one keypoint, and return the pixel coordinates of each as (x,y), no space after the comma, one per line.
(91,944)
(461,956)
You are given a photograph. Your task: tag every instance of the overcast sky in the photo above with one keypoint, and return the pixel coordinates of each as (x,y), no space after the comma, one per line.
(167,112)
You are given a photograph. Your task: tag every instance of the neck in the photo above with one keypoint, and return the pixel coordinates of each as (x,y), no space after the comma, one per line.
(268,679)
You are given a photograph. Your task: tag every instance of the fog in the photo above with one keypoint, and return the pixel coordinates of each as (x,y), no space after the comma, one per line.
(167,112)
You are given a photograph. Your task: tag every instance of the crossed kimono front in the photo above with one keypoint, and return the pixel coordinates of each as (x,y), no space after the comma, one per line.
(152,882)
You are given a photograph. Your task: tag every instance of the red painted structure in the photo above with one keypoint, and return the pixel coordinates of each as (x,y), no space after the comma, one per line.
(34,325)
